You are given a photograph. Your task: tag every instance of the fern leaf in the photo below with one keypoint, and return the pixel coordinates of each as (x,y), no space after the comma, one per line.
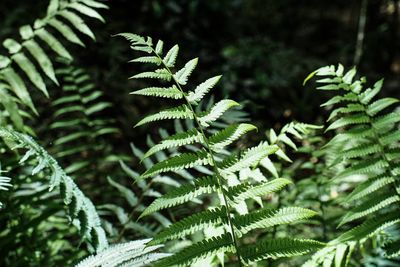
(81,208)
(349,120)
(371,205)
(361,151)
(182,194)
(189,225)
(199,250)
(148,59)
(159,47)
(53,43)
(183,74)
(267,218)
(77,22)
(368,228)
(379,105)
(202,89)
(278,248)
(170,58)
(250,157)
(18,87)
(350,108)
(160,74)
(66,31)
(368,94)
(245,191)
(386,121)
(177,140)
(41,57)
(182,161)
(369,187)
(122,253)
(228,135)
(349,97)
(86,10)
(364,167)
(181,112)
(392,249)
(216,111)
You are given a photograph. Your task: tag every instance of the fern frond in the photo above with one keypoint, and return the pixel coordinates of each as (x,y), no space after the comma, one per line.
(379,105)
(199,250)
(81,208)
(189,225)
(182,194)
(134,252)
(170,57)
(181,112)
(278,248)
(267,218)
(182,161)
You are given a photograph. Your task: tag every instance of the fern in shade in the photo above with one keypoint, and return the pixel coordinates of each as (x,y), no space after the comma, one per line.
(208,156)
(81,209)
(369,135)
(62,23)
(134,253)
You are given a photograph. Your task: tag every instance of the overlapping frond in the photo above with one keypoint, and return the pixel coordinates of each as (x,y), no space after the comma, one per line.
(18,63)
(134,253)
(80,207)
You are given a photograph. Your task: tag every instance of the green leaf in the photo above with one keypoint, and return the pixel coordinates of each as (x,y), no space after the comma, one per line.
(278,248)
(181,112)
(77,22)
(85,10)
(202,89)
(170,58)
(42,58)
(379,105)
(66,31)
(182,161)
(53,43)
(266,218)
(216,111)
(30,70)
(183,74)
(170,92)
(199,250)
(182,194)
(228,135)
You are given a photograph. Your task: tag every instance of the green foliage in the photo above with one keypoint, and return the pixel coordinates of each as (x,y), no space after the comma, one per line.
(223,169)
(368,138)
(32,46)
(80,207)
(134,253)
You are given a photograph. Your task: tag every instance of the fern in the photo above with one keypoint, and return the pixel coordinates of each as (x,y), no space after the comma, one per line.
(80,207)
(4,183)
(78,126)
(30,44)
(369,137)
(134,253)
(222,167)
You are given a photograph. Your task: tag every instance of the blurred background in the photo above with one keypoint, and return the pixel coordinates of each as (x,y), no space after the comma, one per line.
(263,48)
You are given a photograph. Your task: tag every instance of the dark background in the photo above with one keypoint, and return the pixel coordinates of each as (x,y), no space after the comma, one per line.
(263,48)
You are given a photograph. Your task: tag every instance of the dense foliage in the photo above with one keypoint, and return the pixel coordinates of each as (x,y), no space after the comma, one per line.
(203,180)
